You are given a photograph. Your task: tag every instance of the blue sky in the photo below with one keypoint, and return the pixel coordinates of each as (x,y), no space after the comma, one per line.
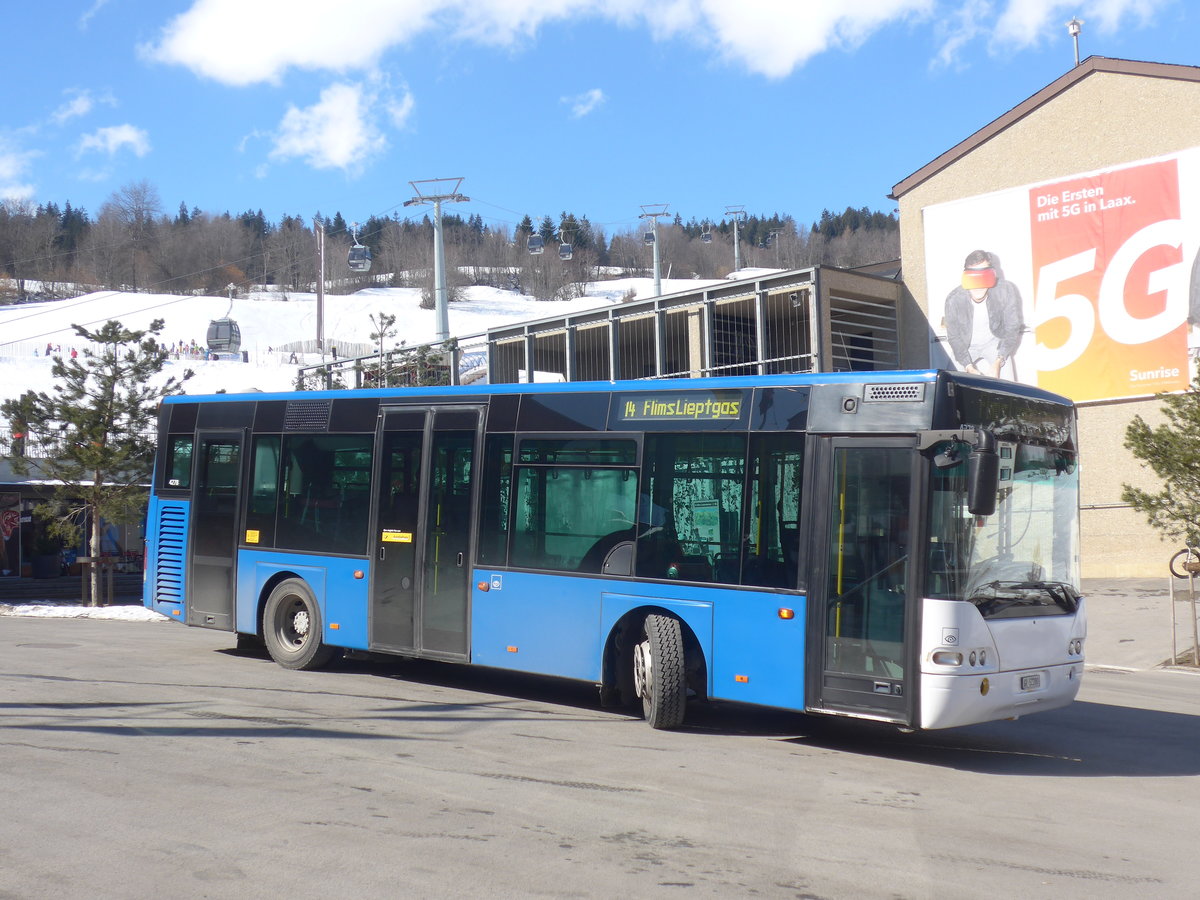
(591,106)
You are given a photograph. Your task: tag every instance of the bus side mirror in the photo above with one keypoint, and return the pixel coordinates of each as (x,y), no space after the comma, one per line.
(983,476)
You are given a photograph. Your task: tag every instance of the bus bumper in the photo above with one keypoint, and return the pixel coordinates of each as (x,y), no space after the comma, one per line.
(948,701)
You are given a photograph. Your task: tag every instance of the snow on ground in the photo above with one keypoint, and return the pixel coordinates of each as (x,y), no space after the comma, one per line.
(270,319)
(49,609)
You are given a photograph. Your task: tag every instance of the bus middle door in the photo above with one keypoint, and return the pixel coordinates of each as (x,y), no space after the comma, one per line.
(425,498)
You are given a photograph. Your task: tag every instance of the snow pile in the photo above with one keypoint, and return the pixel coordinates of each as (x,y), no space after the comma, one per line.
(48,609)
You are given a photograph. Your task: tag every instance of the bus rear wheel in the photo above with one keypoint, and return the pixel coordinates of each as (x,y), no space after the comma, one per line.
(659,673)
(292,627)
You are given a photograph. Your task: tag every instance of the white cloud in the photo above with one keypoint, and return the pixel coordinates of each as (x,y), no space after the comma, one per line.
(400,110)
(1026,23)
(774,37)
(240,43)
(80,102)
(14,170)
(114,138)
(339,131)
(582,104)
(86,19)
(224,39)
(958,28)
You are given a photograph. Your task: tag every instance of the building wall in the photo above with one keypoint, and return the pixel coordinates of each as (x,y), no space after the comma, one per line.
(1104,119)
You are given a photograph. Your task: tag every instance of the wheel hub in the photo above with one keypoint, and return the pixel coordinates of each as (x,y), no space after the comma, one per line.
(301,623)
(643,669)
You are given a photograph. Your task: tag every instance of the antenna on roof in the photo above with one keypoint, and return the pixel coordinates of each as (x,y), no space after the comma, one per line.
(1073,28)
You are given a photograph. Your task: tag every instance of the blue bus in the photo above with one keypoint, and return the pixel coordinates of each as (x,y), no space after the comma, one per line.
(901,546)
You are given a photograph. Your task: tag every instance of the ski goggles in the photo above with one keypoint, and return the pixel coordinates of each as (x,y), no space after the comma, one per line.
(979,279)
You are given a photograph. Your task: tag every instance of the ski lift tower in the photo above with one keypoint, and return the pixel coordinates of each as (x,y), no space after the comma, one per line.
(739,214)
(653,211)
(438,191)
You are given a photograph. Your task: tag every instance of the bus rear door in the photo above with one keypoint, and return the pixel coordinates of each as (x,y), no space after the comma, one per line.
(216,512)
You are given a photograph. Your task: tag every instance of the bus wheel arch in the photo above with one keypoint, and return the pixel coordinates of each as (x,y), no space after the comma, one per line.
(653,656)
(292,626)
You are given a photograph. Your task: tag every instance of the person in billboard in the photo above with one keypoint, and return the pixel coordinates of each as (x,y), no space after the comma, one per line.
(984,322)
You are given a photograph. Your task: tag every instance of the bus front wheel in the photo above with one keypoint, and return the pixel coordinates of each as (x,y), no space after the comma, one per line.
(292,627)
(659,674)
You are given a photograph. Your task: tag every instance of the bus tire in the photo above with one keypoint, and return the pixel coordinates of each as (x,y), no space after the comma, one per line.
(659,672)
(292,627)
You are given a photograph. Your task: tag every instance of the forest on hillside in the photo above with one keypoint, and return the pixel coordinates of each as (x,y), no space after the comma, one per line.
(47,251)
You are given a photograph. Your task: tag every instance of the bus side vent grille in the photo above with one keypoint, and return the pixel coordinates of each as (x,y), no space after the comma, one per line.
(307,415)
(894,393)
(168,561)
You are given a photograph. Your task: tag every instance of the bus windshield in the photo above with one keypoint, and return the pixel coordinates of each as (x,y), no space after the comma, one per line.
(1024,559)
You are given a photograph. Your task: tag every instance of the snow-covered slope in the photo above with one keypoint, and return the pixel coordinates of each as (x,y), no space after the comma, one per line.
(269,322)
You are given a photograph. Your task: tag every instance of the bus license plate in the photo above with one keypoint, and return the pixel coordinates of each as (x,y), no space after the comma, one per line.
(1031,682)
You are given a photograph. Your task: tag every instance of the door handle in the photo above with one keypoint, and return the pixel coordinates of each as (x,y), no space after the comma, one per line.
(460,560)
(382,551)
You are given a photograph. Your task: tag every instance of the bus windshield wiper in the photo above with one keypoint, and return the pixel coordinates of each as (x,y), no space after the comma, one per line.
(1063,595)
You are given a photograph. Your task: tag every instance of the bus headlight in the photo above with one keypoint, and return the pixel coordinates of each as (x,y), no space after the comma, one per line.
(947,658)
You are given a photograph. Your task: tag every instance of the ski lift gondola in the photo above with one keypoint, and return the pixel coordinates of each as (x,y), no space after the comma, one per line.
(537,244)
(359,257)
(565,251)
(224,336)
(648,238)
(706,237)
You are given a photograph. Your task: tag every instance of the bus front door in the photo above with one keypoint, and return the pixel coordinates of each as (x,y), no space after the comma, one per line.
(214,529)
(420,590)
(860,614)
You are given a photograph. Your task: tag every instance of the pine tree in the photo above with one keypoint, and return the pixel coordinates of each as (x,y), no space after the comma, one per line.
(96,426)
(1172,451)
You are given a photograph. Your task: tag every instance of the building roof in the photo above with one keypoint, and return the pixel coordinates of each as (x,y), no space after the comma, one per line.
(1045,95)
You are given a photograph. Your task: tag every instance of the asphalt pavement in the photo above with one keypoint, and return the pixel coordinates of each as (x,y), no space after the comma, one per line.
(1130,622)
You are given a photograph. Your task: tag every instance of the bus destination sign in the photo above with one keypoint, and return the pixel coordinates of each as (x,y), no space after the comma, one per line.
(679,406)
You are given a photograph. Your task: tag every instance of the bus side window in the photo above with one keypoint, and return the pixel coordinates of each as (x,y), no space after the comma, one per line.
(178,475)
(691,510)
(264,489)
(325,497)
(569,496)
(497,484)
(773,544)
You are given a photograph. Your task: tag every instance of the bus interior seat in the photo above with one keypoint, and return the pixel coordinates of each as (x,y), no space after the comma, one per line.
(619,560)
(725,569)
(695,567)
(596,557)
(789,542)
